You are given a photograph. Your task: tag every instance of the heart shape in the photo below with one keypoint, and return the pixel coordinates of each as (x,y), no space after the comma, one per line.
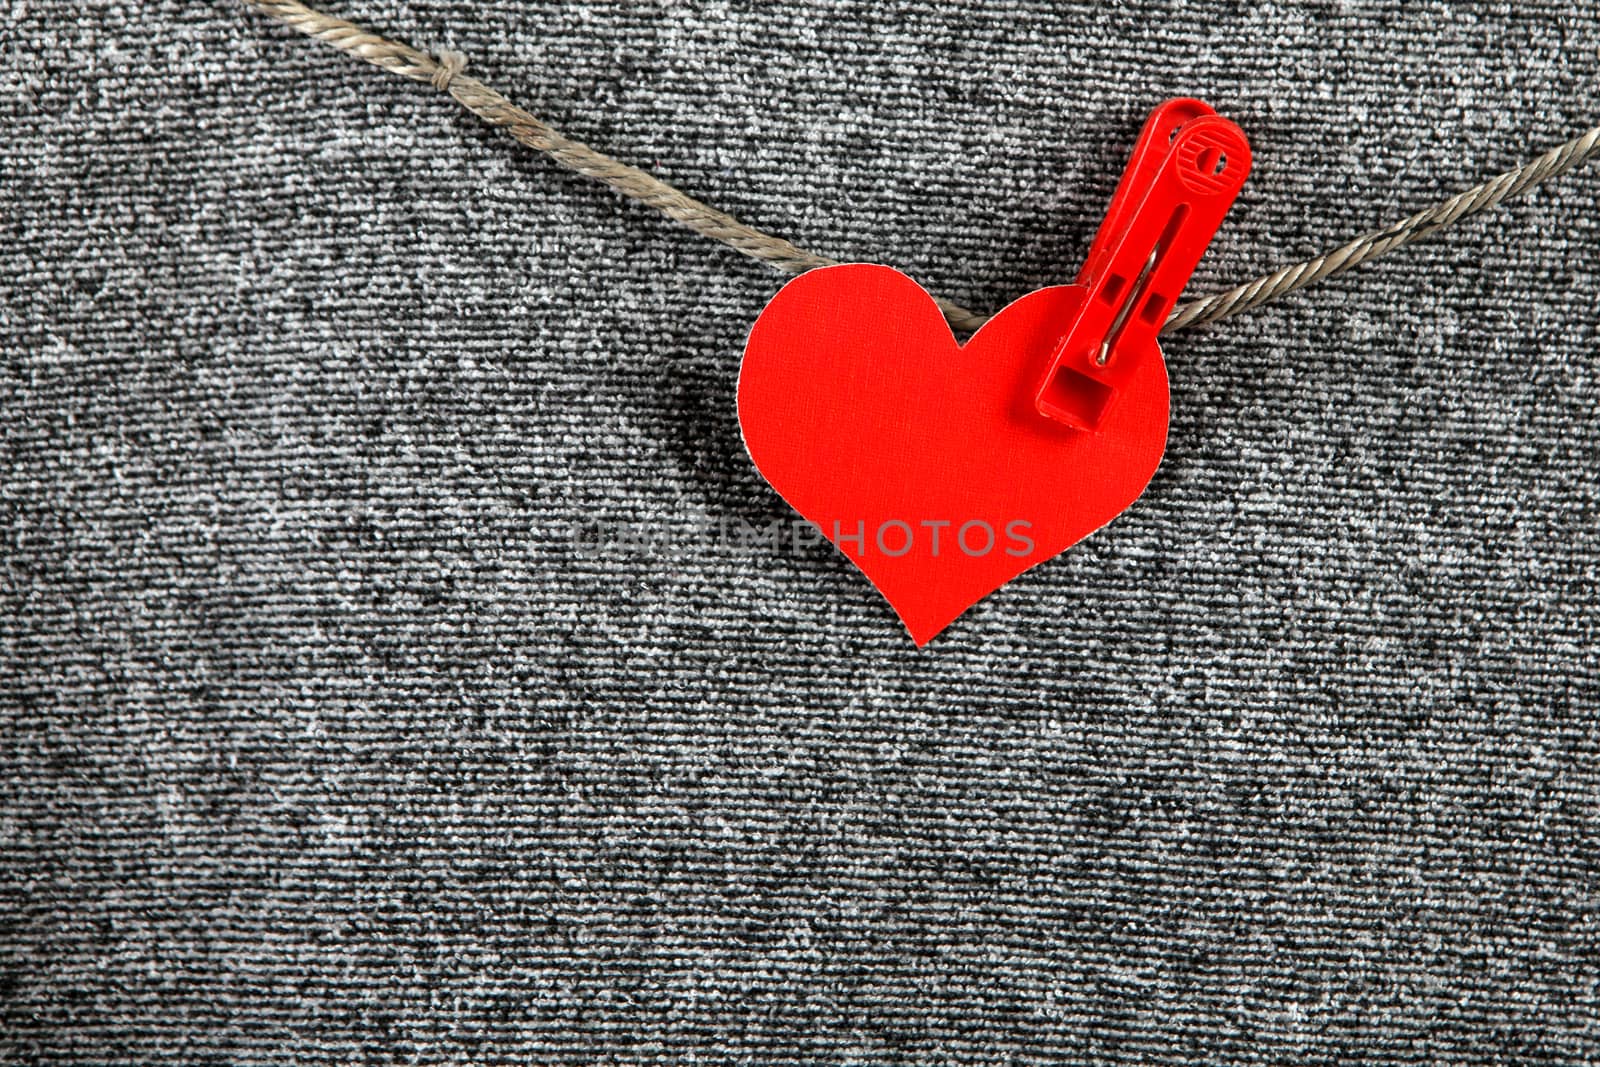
(925,460)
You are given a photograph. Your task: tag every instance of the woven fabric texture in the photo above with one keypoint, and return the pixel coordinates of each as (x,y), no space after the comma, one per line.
(337,727)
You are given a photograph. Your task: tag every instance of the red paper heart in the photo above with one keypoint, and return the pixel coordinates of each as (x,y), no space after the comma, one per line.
(860,408)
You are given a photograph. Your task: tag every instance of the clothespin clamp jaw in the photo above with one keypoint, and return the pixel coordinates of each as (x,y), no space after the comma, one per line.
(1187,167)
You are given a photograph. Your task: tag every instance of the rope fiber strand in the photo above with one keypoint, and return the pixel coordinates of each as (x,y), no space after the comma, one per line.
(445,74)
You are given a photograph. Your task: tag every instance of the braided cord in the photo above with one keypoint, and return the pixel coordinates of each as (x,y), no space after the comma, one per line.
(444,73)
(1479,198)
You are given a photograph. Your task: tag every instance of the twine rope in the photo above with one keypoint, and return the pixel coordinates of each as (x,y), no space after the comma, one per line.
(445,74)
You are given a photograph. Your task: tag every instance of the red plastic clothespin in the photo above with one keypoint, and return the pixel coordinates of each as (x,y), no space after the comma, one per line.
(1186,170)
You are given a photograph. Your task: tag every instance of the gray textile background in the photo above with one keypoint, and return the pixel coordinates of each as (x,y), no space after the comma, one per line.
(323,743)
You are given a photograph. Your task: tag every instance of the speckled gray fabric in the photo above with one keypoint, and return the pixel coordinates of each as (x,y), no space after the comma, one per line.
(324,741)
